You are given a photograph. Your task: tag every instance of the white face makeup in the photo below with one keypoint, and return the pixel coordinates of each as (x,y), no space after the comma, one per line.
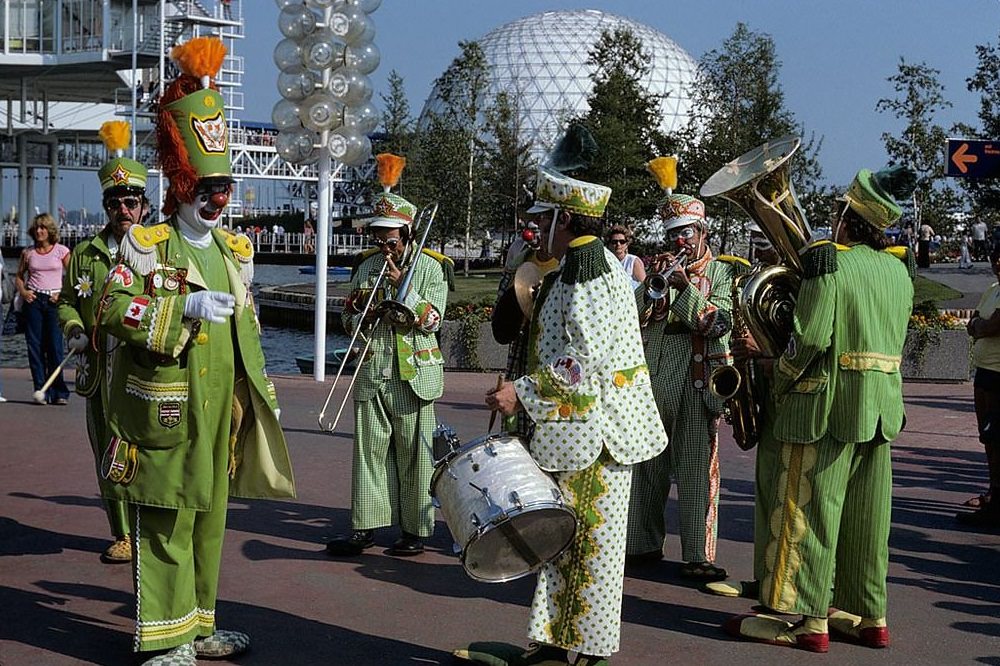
(205,212)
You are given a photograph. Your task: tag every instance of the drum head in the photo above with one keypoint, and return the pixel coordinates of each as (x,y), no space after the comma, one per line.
(519,545)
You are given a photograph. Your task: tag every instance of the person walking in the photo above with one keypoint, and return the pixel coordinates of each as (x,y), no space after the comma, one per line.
(980,248)
(39,281)
(924,237)
(838,401)
(123,182)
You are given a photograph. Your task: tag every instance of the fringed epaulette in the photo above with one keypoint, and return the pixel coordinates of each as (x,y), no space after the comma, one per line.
(585,261)
(139,248)
(820,258)
(905,255)
(739,264)
(242,249)
(447,265)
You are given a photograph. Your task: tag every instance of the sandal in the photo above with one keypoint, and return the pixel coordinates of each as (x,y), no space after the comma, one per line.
(703,571)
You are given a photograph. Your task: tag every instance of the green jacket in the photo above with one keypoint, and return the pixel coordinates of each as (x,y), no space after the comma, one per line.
(83,283)
(171,381)
(412,355)
(840,371)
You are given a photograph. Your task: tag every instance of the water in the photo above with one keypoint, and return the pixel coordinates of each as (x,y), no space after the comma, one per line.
(281,345)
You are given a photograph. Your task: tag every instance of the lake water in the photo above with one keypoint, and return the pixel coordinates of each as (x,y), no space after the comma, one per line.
(281,345)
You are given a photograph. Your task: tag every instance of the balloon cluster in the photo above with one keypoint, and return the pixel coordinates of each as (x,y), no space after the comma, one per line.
(337,112)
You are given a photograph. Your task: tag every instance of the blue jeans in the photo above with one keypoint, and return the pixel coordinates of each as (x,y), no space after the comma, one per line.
(45,343)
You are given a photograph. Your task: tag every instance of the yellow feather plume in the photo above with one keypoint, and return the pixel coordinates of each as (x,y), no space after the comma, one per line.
(390,168)
(116,135)
(202,56)
(664,169)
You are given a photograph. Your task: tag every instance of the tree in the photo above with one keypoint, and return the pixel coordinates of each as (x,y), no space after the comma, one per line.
(919,96)
(624,119)
(451,138)
(985,193)
(396,121)
(737,105)
(507,165)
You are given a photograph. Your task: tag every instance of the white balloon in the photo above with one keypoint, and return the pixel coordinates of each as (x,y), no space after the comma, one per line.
(297,83)
(285,3)
(368,36)
(335,5)
(350,86)
(296,21)
(285,115)
(296,146)
(367,6)
(364,58)
(349,148)
(349,25)
(320,111)
(322,50)
(362,119)
(288,54)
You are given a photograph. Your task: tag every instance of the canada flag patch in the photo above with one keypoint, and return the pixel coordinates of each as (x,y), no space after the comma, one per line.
(136,309)
(122,275)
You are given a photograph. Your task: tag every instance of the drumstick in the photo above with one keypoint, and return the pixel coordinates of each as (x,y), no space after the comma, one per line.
(493,414)
(39,395)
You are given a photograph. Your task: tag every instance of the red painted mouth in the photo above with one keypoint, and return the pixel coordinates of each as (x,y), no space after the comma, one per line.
(211,212)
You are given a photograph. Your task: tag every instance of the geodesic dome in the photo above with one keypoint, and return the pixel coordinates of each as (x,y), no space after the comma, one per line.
(540,60)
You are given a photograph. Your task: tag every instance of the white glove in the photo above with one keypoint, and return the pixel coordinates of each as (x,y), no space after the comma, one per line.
(77,340)
(214,306)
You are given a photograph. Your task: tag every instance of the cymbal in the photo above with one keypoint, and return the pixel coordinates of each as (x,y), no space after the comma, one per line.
(526,279)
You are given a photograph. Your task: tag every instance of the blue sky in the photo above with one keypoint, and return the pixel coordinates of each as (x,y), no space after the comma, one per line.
(836,55)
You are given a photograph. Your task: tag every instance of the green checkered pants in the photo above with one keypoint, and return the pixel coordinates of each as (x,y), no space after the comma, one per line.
(393,463)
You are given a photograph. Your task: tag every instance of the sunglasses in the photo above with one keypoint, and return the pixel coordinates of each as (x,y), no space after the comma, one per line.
(130,202)
(389,242)
(687,233)
(208,189)
(617,241)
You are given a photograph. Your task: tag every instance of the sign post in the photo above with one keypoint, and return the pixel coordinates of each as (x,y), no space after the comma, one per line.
(972,158)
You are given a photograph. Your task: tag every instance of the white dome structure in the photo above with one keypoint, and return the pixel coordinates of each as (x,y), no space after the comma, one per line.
(540,60)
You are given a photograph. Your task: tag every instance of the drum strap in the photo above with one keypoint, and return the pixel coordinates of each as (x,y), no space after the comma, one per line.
(520,545)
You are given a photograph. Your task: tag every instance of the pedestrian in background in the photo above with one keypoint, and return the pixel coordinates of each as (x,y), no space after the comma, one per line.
(980,249)
(39,279)
(924,245)
(964,243)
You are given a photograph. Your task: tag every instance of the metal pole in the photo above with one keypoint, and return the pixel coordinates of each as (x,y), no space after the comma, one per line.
(159,91)
(322,240)
(135,66)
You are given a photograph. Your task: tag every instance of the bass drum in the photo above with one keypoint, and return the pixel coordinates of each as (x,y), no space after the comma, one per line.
(504,511)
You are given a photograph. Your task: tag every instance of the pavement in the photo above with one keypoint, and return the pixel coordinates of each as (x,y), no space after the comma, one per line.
(62,606)
(972,282)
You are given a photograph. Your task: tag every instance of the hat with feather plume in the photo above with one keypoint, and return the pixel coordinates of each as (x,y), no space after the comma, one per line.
(120,171)
(192,135)
(391,210)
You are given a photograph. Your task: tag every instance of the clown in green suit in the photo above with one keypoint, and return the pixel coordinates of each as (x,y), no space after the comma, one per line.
(838,402)
(192,415)
(399,379)
(123,182)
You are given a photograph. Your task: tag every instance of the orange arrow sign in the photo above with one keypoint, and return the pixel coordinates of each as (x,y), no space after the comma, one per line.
(962,159)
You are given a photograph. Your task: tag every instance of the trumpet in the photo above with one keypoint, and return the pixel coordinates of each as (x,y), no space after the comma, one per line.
(657,284)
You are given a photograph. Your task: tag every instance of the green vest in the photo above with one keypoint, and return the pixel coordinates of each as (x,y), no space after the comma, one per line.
(840,371)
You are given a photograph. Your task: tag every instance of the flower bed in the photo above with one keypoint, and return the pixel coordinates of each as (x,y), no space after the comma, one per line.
(937,347)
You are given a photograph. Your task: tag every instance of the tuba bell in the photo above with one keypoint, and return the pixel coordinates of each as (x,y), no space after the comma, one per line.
(758,182)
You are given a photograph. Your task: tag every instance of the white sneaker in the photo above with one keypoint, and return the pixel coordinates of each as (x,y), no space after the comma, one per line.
(3,399)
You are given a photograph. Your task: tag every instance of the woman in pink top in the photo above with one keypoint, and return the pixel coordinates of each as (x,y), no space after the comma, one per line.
(39,280)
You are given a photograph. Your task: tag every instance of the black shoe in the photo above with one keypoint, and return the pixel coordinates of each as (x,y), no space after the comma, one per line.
(987,516)
(407,545)
(359,541)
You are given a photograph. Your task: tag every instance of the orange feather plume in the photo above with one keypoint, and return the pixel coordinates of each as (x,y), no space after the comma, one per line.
(199,57)
(390,168)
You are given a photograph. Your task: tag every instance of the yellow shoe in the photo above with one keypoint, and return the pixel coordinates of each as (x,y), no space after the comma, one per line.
(118,552)
(808,634)
(869,632)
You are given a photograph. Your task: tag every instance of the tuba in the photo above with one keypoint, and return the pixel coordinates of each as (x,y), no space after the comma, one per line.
(764,299)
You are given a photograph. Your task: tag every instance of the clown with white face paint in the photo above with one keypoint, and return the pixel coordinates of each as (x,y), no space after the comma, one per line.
(191,412)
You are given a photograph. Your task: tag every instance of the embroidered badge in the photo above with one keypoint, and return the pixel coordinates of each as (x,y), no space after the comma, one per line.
(120,175)
(113,461)
(792,349)
(169,414)
(135,311)
(210,132)
(171,284)
(82,369)
(158,281)
(84,286)
(568,370)
(122,275)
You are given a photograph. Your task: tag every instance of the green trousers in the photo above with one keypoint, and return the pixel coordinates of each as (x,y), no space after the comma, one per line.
(393,465)
(829,511)
(116,510)
(692,458)
(767,459)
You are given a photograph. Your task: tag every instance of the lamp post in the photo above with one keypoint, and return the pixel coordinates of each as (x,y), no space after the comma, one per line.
(325,113)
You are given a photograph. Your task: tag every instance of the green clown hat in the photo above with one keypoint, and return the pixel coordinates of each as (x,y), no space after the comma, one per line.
(557,190)
(391,210)
(119,171)
(873,195)
(201,121)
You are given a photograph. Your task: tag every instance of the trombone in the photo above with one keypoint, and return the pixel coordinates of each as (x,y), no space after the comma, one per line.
(394,311)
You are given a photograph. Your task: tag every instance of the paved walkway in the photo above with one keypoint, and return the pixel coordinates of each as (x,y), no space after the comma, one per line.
(972,282)
(62,606)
